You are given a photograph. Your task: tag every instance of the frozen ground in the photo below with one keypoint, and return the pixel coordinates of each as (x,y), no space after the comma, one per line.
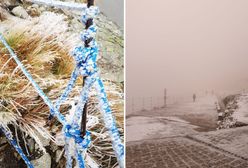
(181,136)
(233,140)
(176,120)
(139,128)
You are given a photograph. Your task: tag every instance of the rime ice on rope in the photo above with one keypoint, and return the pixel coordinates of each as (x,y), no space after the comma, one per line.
(85,58)
(9,136)
(59,4)
(110,122)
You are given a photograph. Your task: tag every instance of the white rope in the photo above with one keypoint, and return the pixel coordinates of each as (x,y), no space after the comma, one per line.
(59,4)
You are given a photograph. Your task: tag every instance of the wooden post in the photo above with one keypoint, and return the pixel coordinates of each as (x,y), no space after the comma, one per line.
(165,96)
(151,103)
(158,102)
(143,103)
(86,44)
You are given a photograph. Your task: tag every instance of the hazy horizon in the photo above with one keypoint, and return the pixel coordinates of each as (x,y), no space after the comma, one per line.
(186,46)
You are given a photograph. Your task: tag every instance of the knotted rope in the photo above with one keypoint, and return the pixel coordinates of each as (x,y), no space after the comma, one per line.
(85,58)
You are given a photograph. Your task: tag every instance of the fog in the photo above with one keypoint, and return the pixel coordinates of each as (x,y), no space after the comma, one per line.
(186,46)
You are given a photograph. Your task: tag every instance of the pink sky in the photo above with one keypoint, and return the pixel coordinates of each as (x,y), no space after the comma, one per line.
(185,45)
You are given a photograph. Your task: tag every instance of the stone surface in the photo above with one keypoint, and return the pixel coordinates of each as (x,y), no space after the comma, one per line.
(20,12)
(179,152)
(111,44)
(43,162)
(115,13)
(9,2)
(232,140)
(173,144)
(8,159)
(4,14)
(34,10)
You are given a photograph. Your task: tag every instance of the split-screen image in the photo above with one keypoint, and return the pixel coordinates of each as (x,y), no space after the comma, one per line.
(123,84)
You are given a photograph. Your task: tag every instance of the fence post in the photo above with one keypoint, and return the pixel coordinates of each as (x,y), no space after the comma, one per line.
(151,103)
(143,103)
(158,98)
(165,97)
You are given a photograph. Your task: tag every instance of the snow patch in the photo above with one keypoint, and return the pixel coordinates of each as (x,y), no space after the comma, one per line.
(241,114)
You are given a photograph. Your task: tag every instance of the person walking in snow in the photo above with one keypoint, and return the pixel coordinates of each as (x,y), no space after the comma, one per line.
(194,97)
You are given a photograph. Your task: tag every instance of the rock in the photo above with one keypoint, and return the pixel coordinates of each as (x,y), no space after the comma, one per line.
(7,156)
(3,140)
(4,14)
(31,144)
(110,39)
(34,10)
(8,2)
(35,6)
(43,162)
(44,141)
(20,12)
(114,76)
(42,9)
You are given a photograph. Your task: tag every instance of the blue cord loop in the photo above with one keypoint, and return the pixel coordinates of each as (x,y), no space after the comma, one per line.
(76,134)
(89,13)
(89,33)
(85,58)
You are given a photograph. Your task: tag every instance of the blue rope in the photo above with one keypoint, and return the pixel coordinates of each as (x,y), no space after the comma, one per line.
(69,131)
(67,91)
(85,58)
(67,152)
(36,86)
(110,123)
(9,136)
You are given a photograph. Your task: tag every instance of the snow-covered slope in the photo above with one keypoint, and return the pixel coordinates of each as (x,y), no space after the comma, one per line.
(241,113)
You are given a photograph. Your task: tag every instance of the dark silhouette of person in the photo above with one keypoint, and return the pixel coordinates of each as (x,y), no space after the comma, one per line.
(194,97)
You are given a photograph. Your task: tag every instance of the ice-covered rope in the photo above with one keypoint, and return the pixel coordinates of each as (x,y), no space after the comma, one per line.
(9,136)
(109,121)
(59,4)
(82,143)
(69,131)
(35,85)
(85,58)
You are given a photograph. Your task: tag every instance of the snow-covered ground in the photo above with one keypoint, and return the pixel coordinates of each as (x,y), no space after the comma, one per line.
(140,128)
(177,120)
(241,113)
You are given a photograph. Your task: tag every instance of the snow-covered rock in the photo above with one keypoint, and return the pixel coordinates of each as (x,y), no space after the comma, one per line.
(241,113)
(34,10)
(235,113)
(20,12)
